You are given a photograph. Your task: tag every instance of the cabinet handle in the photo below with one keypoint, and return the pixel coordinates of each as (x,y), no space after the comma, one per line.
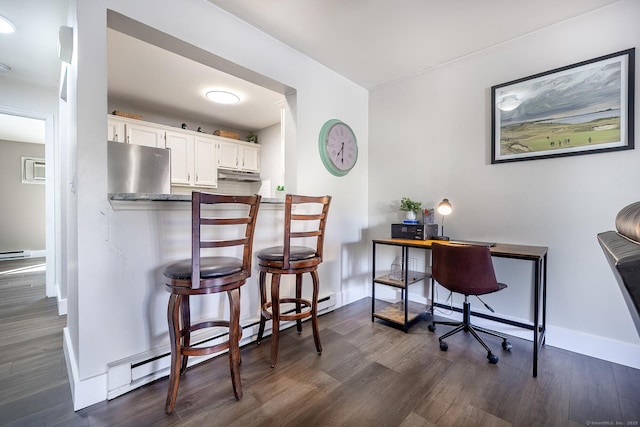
(188,176)
(197,178)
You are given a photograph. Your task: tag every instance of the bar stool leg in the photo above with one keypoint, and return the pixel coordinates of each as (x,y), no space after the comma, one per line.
(314,311)
(298,303)
(186,324)
(263,300)
(173,316)
(234,341)
(275,317)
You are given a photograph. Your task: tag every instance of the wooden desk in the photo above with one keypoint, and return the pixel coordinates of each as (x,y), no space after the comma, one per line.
(535,254)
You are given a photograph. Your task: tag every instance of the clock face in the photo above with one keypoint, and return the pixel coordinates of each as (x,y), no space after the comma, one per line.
(338,147)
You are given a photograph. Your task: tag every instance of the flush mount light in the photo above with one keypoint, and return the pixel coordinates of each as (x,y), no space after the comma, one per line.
(6,26)
(222,97)
(4,68)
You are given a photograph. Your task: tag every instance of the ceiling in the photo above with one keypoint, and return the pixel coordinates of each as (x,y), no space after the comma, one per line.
(374,42)
(371,42)
(146,75)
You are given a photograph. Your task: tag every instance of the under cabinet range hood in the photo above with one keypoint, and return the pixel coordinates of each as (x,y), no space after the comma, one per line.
(229,175)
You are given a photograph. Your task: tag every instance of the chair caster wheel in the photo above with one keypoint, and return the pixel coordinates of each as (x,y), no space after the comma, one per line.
(506,345)
(432,328)
(444,346)
(493,359)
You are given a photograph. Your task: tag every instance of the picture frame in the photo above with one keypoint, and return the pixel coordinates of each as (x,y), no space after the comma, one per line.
(583,108)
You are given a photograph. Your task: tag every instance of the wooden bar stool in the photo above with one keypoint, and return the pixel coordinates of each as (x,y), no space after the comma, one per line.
(308,221)
(217,272)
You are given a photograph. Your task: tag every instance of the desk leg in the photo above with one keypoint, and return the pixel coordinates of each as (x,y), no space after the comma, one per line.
(405,291)
(540,284)
(544,298)
(373,283)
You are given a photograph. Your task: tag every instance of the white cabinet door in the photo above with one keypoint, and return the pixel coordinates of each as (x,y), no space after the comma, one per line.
(181,145)
(206,168)
(115,130)
(250,158)
(227,155)
(141,134)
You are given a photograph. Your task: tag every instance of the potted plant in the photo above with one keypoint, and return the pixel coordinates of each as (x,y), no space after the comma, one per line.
(252,137)
(410,207)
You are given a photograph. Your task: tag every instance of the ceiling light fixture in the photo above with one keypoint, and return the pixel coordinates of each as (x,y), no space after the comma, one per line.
(6,26)
(4,67)
(222,97)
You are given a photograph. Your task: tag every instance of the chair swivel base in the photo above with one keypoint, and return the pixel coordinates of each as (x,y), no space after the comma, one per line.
(466,326)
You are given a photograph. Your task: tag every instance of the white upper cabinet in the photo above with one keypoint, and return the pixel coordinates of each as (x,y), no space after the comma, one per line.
(193,159)
(227,155)
(147,135)
(250,155)
(238,156)
(181,146)
(115,129)
(206,169)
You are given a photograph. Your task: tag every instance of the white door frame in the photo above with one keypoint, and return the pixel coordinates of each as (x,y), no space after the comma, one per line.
(50,227)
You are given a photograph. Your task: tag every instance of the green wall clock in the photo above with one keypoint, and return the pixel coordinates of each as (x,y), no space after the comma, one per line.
(338,147)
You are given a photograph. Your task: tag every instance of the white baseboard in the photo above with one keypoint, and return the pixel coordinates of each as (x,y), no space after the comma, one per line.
(62,302)
(603,348)
(619,352)
(84,392)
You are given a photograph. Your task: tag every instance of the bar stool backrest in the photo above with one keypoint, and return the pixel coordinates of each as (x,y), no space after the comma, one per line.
(303,220)
(202,220)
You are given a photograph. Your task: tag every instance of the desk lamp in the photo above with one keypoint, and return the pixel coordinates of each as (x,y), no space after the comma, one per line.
(444,209)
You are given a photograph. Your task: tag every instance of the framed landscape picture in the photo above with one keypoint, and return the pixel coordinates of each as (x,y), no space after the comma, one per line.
(578,109)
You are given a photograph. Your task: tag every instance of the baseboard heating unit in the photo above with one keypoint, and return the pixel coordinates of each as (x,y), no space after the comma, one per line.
(15,254)
(133,372)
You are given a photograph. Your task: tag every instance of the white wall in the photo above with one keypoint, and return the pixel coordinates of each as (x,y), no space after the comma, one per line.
(437,125)
(114,295)
(271,159)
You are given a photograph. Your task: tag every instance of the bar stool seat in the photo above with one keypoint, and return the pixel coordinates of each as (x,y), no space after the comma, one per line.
(201,275)
(275,254)
(210,267)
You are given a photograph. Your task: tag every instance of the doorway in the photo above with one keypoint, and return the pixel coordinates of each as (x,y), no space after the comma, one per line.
(29,221)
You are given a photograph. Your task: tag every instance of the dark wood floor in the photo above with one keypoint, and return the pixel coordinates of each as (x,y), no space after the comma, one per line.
(369,374)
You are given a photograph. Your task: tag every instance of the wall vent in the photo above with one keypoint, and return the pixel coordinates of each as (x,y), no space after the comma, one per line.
(33,170)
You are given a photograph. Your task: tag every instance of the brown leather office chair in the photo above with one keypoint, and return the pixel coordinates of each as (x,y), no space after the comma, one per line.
(304,217)
(216,271)
(467,270)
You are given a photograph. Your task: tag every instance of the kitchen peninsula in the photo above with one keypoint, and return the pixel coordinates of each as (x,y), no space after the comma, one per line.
(152,171)
(173,197)
(159,226)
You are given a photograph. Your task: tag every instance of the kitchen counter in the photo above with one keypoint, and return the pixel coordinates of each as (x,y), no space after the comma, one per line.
(154,197)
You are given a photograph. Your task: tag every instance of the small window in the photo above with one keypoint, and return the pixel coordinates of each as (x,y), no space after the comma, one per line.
(33,170)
